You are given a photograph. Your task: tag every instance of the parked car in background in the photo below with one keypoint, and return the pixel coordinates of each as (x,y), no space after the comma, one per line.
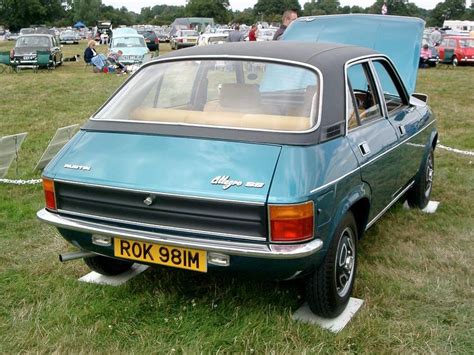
(69,37)
(458,49)
(163,36)
(151,39)
(277,173)
(212,38)
(13,36)
(27,47)
(132,45)
(266,34)
(184,38)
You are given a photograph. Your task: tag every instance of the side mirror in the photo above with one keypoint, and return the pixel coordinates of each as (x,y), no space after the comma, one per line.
(418,99)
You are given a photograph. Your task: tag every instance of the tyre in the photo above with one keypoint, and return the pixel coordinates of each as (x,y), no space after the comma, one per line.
(419,195)
(107,266)
(329,287)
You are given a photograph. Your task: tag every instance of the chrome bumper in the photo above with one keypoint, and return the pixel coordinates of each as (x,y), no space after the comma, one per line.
(274,251)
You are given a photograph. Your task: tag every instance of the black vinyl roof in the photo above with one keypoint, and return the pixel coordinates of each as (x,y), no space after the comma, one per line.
(316,54)
(329,58)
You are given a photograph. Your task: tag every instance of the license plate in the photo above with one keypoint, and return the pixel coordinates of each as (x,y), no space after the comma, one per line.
(183,258)
(69,41)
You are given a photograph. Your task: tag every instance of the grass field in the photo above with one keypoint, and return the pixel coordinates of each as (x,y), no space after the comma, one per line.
(415,271)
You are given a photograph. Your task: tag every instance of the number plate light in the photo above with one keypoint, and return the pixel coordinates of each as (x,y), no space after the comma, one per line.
(101,240)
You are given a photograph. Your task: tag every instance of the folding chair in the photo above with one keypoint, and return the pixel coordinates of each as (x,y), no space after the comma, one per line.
(5,61)
(43,59)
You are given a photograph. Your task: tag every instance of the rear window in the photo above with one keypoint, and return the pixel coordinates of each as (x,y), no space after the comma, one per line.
(33,41)
(128,42)
(220,93)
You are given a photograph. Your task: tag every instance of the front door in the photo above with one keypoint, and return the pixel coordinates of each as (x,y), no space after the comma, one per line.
(405,120)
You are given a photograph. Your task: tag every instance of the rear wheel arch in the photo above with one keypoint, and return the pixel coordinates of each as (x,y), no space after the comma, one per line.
(434,141)
(357,202)
(360,209)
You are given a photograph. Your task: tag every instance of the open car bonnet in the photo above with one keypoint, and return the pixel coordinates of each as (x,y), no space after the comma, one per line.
(169,165)
(397,37)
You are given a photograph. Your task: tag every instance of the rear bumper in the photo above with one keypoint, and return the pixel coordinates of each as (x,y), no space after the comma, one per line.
(254,250)
(468,60)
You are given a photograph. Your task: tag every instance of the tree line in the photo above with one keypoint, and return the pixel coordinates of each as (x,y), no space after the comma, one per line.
(15,14)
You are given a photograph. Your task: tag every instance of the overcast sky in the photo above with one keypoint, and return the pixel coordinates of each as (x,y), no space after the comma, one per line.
(135,5)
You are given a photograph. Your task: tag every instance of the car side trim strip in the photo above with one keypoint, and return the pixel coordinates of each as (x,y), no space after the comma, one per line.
(255,250)
(389,205)
(372,160)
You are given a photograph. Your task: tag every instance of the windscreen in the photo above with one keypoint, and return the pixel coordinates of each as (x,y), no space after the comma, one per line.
(223,93)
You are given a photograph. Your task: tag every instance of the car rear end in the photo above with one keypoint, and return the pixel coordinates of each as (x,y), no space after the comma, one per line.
(151,39)
(194,202)
(26,49)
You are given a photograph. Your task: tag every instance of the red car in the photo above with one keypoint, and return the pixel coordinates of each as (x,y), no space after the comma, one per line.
(457,49)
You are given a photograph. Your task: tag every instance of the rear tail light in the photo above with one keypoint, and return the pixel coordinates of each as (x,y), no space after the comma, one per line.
(291,223)
(49,194)
(180,40)
(157,41)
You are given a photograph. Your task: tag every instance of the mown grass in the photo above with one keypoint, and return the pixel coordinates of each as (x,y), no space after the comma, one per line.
(415,271)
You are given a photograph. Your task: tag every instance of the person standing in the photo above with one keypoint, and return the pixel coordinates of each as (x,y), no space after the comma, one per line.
(435,37)
(253,33)
(288,17)
(235,35)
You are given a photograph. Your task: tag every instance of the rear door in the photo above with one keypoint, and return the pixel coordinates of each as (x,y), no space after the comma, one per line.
(371,136)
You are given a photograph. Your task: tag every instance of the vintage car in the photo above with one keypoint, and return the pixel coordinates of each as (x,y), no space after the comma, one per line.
(184,38)
(212,38)
(131,44)
(266,34)
(69,37)
(151,39)
(457,49)
(274,166)
(27,47)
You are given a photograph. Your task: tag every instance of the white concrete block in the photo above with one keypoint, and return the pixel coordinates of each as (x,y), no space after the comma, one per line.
(335,325)
(431,207)
(96,278)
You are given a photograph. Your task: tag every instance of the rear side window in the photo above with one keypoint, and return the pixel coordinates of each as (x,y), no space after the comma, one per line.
(364,103)
(221,93)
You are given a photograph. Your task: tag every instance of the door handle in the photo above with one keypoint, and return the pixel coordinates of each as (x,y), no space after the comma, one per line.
(364,148)
(402,130)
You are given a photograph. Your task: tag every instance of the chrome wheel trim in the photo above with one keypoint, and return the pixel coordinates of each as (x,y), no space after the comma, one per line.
(345,262)
(429,175)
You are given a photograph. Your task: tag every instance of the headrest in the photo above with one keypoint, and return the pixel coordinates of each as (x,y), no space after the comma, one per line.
(239,96)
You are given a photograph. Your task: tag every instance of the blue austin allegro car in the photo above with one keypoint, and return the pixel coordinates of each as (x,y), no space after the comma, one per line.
(269,158)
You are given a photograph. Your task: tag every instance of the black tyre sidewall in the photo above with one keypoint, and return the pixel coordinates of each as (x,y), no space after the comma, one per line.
(321,292)
(107,266)
(416,197)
